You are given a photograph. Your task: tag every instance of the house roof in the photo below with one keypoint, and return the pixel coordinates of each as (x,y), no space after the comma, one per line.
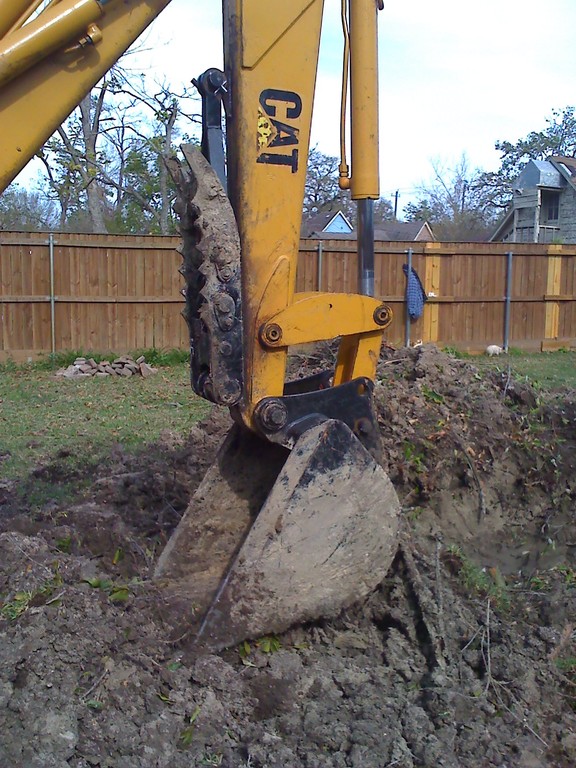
(316,225)
(539,173)
(502,226)
(408,231)
(566,166)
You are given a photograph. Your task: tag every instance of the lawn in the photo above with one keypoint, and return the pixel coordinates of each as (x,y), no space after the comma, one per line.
(42,415)
(546,370)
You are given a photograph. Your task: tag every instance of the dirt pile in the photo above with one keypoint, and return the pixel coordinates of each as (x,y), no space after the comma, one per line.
(465,657)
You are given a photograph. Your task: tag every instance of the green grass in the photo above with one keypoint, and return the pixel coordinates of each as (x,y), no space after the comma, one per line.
(74,424)
(44,417)
(548,370)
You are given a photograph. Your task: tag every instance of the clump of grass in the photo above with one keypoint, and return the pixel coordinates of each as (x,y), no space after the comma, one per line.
(164,358)
(457,353)
(11,609)
(478,581)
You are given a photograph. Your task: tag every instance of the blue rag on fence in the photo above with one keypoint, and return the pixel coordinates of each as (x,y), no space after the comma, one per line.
(415,294)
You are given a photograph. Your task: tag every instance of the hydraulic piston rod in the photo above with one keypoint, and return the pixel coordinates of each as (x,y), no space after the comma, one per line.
(65,22)
(364,184)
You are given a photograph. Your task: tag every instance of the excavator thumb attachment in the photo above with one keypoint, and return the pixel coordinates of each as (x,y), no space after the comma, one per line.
(324,537)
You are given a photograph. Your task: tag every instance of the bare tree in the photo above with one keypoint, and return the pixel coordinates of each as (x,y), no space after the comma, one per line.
(105,165)
(455,202)
(25,210)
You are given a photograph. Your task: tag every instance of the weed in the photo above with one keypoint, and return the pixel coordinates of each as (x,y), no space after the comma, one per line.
(413,457)
(244,650)
(268,644)
(567,665)
(64,545)
(19,604)
(64,359)
(117,593)
(187,734)
(414,513)
(164,697)
(569,575)
(483,582)
(431,396)
(95,704)
(457,353)
(164,357)
(118,556)
(211,758)
(539,583)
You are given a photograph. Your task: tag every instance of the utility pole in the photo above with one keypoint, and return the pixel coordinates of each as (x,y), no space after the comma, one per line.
(396,196)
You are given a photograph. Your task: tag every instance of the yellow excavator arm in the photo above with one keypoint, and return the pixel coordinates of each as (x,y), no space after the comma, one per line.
(301,452)
(271,54)
(49,60)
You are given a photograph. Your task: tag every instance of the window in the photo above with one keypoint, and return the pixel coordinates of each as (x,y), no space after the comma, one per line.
(551,205)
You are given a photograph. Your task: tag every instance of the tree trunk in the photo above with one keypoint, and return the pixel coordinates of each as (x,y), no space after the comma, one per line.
(163,171)
(94,192)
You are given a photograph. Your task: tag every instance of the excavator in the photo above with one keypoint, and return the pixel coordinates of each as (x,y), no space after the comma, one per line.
(296,519)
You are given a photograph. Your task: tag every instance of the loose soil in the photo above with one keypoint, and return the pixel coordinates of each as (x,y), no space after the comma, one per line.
(464,657)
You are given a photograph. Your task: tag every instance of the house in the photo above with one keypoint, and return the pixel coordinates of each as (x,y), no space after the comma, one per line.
(337,225)
(326,224)
(543,208)
(404,231)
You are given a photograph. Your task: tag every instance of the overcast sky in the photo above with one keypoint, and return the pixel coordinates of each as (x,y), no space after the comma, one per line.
(455,76)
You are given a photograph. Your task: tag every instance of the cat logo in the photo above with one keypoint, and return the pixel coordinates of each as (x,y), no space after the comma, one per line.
(278,134)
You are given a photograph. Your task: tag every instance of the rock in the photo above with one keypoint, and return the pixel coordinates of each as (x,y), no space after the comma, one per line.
(147,370)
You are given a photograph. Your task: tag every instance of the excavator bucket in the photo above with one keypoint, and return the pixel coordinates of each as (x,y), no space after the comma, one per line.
(274,538)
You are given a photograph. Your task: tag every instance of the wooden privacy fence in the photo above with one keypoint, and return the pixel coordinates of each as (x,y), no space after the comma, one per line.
(92,292)
(120,293)
(478,293)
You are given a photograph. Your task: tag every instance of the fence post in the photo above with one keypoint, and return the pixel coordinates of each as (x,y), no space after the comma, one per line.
(431,329)
(407,327)
(52,296)
(553,283)
(507,300)
(320,255)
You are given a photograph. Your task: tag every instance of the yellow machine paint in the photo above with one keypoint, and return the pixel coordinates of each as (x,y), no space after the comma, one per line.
(273,50)
(49,65)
